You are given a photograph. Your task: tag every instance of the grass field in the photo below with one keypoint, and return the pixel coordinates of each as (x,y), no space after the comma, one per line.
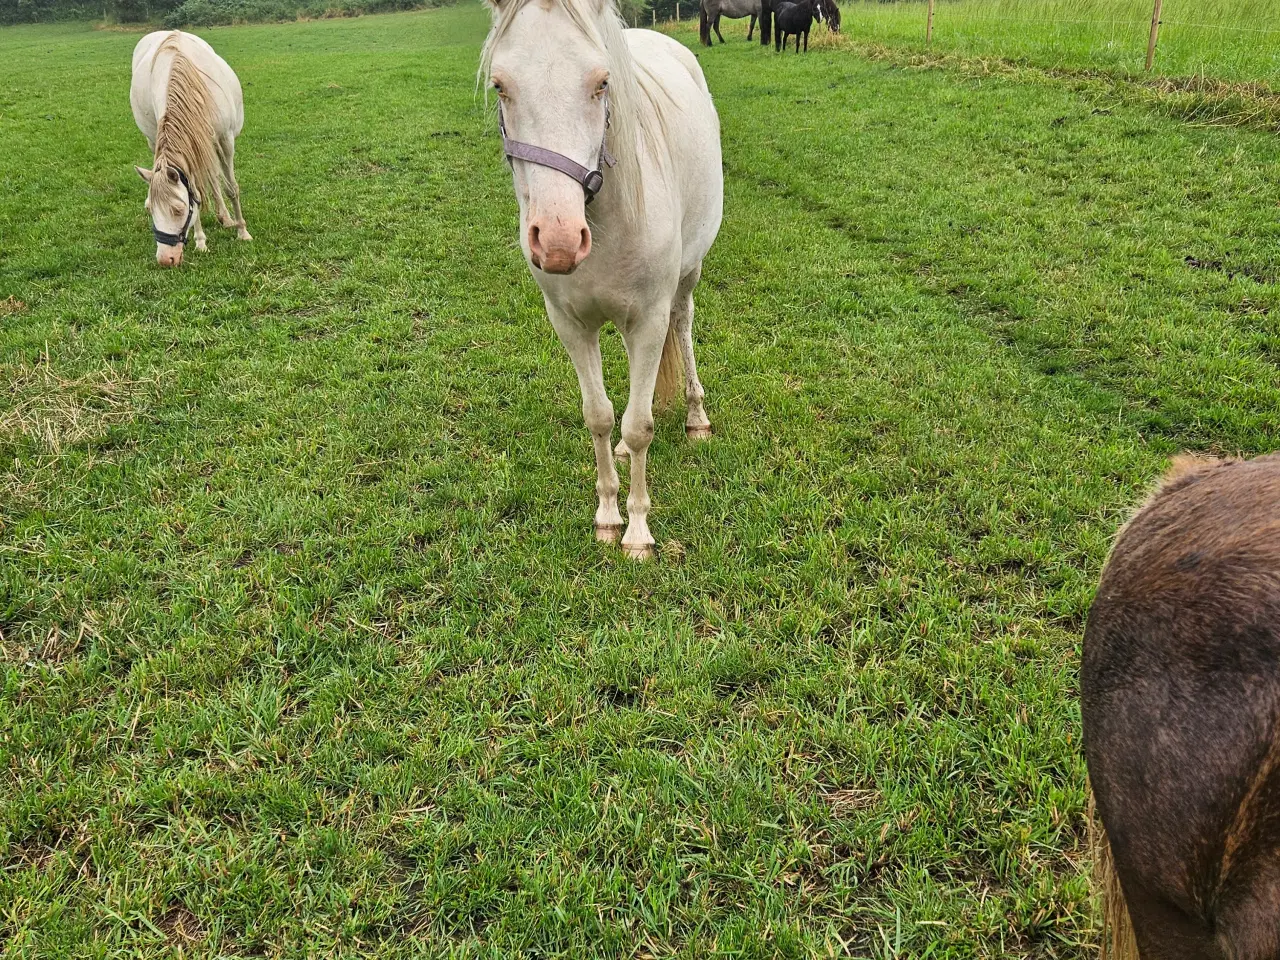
(308,649)
(1237,40)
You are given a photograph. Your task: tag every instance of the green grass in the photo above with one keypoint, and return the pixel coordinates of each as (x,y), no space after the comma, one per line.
(1235,40)
(308,649)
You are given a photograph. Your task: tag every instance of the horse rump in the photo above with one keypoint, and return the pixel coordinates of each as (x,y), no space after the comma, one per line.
(1180,704)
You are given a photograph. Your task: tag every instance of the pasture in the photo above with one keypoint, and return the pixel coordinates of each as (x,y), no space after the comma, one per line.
(1235,40)
(307,647)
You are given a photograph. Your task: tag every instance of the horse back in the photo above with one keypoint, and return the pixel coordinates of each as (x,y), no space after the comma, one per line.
(1180,702)
(147,90)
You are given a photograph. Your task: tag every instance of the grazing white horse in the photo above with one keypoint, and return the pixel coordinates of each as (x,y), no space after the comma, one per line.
(187,103)
(579,94)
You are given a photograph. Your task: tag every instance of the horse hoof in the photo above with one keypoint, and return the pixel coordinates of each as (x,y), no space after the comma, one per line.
(608,532)
(243,234)
(640,553)
(698,433)
(622,453)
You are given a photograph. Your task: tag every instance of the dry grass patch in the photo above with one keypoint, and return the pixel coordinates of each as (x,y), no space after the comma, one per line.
(57,411)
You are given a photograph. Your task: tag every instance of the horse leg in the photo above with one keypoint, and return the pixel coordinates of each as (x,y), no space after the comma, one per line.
(224,217)
(227,154)
(197,228)
(644,341)
(716,24)
(751,26)
(696,424)
(583,345)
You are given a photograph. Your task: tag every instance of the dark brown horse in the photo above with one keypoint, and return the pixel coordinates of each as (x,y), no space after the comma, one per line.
(829,11)
(1180,698)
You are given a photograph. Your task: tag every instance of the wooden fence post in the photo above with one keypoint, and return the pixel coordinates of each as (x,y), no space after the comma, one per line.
(928,30)
(677,11)
(1155,34)
(654,11)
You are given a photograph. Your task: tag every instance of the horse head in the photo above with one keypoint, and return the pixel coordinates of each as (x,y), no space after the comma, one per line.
(550,67)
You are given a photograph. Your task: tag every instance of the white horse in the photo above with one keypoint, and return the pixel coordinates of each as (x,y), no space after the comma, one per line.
(575,91)
(187,103)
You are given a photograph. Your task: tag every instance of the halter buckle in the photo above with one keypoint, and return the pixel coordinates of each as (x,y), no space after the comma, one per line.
(592,184)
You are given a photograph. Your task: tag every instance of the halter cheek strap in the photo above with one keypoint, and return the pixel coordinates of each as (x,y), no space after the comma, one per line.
(592,180)
(179,238)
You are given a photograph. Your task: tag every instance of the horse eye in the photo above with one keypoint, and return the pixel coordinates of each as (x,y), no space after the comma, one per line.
(603,88)
(497,88)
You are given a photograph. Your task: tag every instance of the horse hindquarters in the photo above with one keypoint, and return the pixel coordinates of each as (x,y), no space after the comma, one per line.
(1180,704)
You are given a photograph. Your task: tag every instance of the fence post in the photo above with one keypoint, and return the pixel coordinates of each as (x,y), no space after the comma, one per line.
(677,11)
(928,30)
(654,11)
(1155,34)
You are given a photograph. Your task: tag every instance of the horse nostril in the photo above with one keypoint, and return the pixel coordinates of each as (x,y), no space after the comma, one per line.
(534,246)
(584,246)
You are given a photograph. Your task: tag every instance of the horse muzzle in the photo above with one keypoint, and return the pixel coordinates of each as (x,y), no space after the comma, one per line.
(168,256)
(558,247)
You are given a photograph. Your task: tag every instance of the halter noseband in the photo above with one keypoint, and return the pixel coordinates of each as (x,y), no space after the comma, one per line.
(179,238)
(592,180)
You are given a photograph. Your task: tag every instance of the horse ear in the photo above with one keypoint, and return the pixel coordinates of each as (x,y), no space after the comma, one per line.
(144,173)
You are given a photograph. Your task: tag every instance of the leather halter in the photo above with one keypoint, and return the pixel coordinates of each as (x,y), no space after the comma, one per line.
(180,238)
(592,180)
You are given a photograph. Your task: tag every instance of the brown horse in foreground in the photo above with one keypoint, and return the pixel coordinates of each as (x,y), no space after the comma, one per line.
(1180,698)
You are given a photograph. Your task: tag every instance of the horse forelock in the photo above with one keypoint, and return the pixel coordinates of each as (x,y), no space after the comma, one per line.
(185,135)
(636,97)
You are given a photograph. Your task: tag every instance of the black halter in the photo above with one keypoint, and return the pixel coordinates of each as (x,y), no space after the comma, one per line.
(592,180)
(179,238)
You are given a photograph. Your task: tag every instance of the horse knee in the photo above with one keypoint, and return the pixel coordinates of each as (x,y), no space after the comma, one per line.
(598,417)
(637,431)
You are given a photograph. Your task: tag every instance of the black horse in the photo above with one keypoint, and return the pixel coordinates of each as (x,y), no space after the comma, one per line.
(794,19)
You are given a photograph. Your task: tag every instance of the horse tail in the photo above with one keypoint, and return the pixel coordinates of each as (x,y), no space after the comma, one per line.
(671,372)
(1118,941)
(704,27)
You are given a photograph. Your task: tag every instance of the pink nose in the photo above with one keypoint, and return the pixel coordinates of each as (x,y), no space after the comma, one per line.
(168,256)
(558,247)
